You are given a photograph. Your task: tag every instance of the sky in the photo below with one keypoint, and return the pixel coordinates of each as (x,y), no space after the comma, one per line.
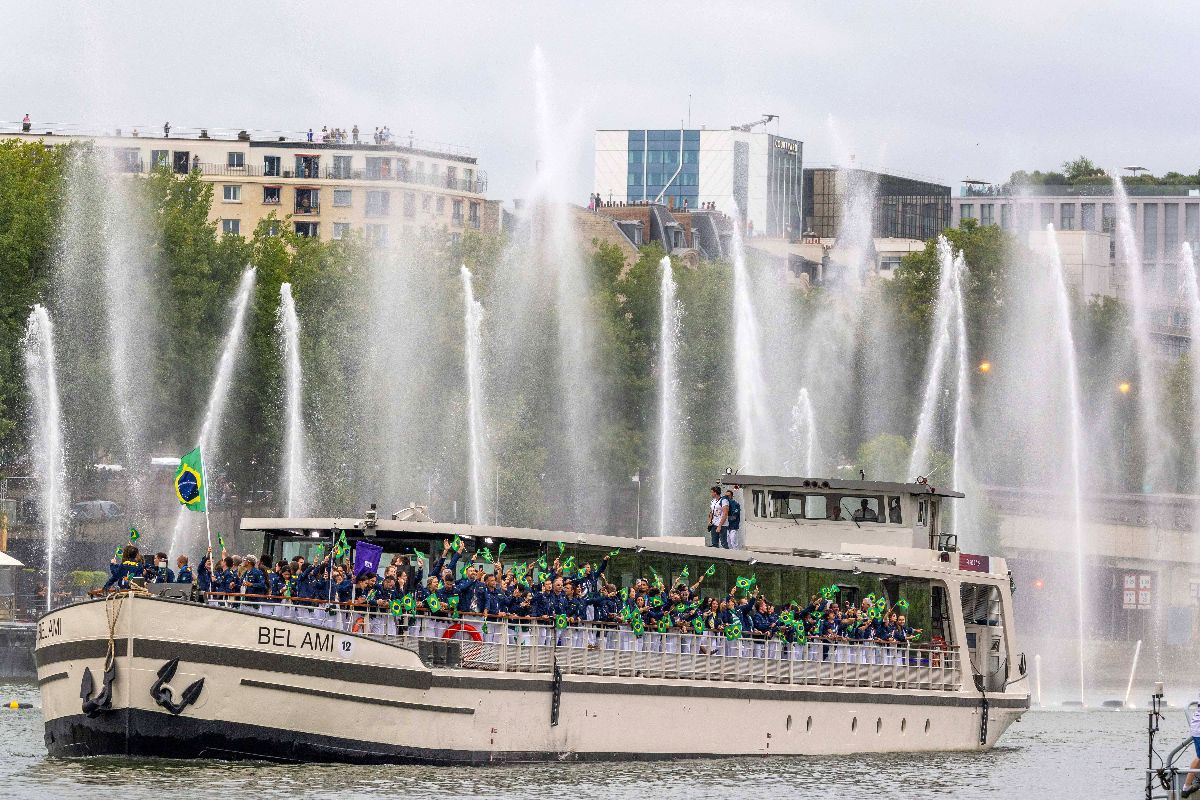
(931,89)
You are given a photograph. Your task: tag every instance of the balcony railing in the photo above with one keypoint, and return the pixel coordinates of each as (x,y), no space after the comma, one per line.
(306,210)
(506,645)
(225,169)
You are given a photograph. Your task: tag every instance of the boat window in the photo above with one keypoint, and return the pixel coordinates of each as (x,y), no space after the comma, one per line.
(759,499)
(893,505)
(922,512)
(862,509)
(814,506)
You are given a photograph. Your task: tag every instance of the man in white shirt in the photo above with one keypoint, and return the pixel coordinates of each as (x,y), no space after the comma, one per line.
(1190,783)
(718,517)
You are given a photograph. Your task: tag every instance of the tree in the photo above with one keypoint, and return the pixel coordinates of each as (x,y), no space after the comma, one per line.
(1082,170)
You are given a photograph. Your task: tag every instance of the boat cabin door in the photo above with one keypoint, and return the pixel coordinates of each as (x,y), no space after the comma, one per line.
(984,625)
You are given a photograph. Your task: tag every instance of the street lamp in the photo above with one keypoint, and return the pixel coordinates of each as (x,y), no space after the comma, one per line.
(1124,387)
(1136,169)
(985,366)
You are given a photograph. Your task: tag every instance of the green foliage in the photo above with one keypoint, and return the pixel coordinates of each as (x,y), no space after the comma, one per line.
(88,579)
(30,198)
(885,458)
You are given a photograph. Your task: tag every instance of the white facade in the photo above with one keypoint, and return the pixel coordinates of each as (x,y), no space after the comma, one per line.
(626,177)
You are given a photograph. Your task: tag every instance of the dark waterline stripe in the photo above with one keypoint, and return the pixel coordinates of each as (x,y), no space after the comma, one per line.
(354,698)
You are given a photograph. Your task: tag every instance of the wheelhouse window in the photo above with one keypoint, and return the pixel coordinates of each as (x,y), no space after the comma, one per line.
(783,504)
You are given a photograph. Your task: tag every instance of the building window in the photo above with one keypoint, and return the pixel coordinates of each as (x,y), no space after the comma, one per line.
(341,230)
(1047,214)
(341,167)
(308,201)
(231,193)
(1170,232)
(377,235)
(272,166)
(457,216)
(306,229)
(1191,224)
(237,160)
(441,205)
(473,219)
(160,158)
(987,214)
(1149,232)
(231,226)
(1108,217)
(308,166)
(273,228)
(889,263)
(410,204)
(1066,215)
(1087,220)
(966,211)
(426,201)
(377,203)
(341,198)
(271,195)
(1006,216)
(379,168)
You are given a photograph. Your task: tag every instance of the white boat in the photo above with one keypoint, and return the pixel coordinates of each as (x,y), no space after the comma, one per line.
(187,676)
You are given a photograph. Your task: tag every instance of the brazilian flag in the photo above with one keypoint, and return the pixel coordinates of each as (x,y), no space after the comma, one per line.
(189,482)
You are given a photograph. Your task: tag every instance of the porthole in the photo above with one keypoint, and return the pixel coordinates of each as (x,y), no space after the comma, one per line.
(879,725)
(903,724)
(927,726)
(789,722)
(808,725)
(854,725)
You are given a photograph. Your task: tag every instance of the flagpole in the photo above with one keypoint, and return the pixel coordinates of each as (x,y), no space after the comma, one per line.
(204,490)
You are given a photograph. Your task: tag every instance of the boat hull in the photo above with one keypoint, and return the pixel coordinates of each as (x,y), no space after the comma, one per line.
(288,691)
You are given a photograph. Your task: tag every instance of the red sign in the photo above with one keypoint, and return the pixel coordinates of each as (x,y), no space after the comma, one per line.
(973,563)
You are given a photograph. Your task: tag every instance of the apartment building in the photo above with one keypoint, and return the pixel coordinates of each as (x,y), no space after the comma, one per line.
(385,192)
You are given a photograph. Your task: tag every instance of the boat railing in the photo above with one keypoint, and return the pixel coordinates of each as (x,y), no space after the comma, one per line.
(529,645)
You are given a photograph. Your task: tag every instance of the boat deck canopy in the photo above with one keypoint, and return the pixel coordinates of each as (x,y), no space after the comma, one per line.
(767,481)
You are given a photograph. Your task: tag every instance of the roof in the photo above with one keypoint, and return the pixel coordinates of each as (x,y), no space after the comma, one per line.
(736,479)
(8,561)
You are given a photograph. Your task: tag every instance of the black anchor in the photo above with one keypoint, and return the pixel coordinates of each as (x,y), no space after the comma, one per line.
(163,695)
(103,701)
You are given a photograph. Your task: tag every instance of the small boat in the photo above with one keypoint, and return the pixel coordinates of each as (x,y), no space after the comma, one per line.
(168,671)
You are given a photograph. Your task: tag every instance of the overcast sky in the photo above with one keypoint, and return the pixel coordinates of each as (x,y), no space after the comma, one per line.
(944,90)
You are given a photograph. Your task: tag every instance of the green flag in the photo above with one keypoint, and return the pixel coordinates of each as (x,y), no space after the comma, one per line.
(712,570)
(189,482)
(134,535)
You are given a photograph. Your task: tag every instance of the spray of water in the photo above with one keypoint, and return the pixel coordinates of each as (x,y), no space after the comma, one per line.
(41,372)
(752,409)
(472,350)
(939,349)
(219,393)
(1191,294)
(1156,476)
(962,393)
(804,435)
(669,416)
(295,488)
(1070,366)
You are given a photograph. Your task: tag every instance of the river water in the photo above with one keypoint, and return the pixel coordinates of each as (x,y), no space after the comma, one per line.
(1060,754)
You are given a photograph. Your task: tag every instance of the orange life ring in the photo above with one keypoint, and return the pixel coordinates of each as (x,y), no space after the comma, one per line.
(462,627)
(358,625)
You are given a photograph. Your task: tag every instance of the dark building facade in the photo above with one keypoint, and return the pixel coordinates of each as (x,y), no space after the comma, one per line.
(903,208)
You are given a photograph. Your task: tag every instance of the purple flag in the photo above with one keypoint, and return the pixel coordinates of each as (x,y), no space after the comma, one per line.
(366,557)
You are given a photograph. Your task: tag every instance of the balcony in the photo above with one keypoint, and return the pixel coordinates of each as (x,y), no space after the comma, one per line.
(307,209)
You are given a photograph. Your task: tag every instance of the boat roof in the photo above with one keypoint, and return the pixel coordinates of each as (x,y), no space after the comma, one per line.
(886,487)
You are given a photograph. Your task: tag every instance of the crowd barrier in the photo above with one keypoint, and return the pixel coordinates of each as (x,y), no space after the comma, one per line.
(533,645)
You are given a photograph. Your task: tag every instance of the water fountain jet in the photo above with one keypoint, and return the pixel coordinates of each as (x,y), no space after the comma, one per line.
(41,372)
(295,483)
(472,350)
(670,320)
